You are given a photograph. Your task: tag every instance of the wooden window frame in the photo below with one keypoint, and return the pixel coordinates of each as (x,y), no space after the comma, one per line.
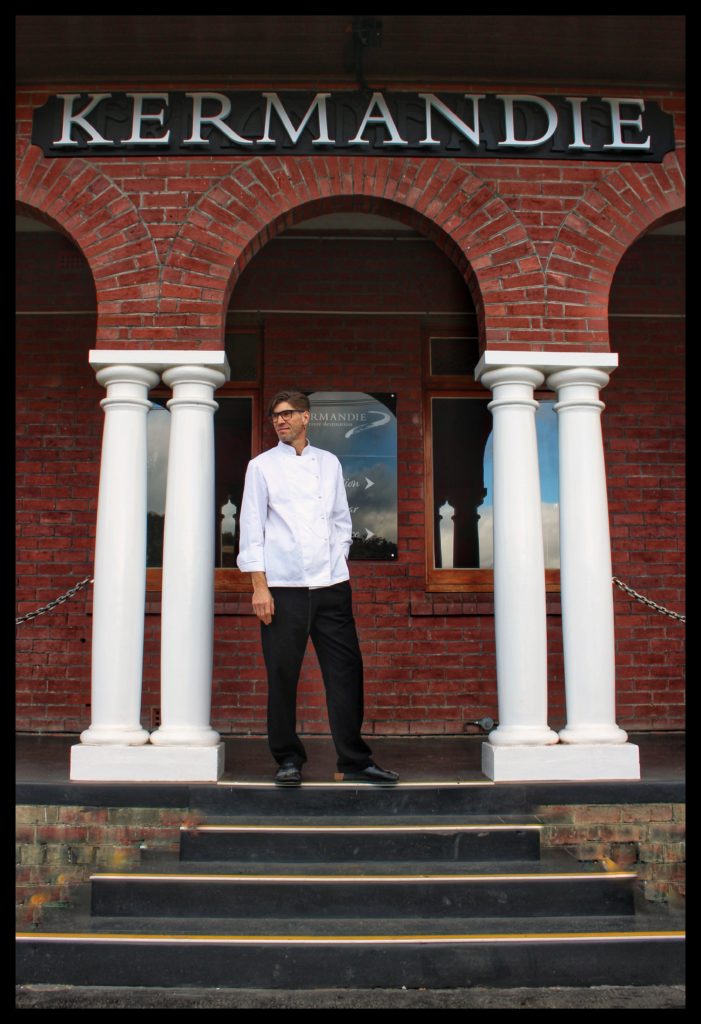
(454,580)
(227,580)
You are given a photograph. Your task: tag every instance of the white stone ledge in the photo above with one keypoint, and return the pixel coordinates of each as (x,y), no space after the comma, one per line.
(160,359)
(561,762)
(113,763)
(546,362)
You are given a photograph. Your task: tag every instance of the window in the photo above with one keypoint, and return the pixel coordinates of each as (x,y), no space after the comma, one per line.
(458,470)
(236,439)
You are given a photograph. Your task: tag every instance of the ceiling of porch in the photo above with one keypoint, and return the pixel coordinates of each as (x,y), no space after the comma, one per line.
(388,49)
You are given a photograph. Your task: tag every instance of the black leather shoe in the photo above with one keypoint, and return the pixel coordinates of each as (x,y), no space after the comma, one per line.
(288,774)
(373,774)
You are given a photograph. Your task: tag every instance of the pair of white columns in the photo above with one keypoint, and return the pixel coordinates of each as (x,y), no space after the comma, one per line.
(187,608)
(521,746)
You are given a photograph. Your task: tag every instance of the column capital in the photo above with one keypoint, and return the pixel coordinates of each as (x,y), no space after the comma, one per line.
(127,373)
(159,360)
(547,362)
(126,384)
(512,384)
(578,386)
(189,373)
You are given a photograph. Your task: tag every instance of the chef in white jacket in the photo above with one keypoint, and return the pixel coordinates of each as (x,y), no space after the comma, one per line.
(295,538)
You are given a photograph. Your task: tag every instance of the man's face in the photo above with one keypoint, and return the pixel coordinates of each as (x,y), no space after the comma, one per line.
(290,428)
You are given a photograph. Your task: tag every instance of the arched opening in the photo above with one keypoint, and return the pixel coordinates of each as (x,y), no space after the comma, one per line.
(645,427)
(58,424)
(348,303)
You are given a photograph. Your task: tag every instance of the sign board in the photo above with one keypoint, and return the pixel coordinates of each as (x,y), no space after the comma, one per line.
(446,124)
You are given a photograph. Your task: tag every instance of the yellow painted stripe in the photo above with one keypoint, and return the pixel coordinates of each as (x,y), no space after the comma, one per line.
(347,829)
(330,940)
(364,785)
(366,879)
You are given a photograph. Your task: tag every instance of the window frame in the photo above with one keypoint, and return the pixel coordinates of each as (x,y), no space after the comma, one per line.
(454,386)
(226,580)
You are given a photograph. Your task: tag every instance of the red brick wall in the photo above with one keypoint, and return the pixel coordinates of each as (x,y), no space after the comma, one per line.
(644,433)
(58,425)
(429,658)
(419,672)
(166,241)
(167,238)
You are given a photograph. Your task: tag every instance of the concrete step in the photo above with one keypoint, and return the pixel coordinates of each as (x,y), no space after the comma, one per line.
(323,842)
(538,893)
(498,958)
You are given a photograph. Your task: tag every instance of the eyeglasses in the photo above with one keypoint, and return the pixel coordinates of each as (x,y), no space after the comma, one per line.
(284,414)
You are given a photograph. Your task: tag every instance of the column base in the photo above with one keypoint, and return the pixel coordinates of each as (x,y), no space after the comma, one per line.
(593,734)
(114,735)
(561,762)
(146,764)
(522,736)
(184,736)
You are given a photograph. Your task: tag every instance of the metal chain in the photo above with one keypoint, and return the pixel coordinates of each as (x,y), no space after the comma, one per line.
(647,601)
(89,579)
(54,604)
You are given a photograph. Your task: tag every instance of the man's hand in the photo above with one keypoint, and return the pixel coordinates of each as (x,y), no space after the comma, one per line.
(263,603)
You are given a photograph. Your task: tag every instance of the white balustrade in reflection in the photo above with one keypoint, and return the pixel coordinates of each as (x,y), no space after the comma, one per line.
(227,532)
(447,534)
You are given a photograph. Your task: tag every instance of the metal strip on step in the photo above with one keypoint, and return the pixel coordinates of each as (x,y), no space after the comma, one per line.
(355,784)
(367,879)
(346,829)
(348,940)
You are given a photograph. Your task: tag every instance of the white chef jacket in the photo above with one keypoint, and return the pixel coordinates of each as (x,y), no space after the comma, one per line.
(295,523)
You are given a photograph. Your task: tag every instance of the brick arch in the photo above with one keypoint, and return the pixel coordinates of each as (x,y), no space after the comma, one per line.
(80,201)
(598,231)
(445,200)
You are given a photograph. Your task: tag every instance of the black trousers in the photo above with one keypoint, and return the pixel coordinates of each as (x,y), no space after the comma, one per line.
(325,615)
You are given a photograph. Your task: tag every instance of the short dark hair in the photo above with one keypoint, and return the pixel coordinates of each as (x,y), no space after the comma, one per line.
(297,399)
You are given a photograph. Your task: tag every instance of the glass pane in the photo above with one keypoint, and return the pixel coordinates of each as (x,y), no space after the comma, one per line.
(461,427)
(463,485)
(242,353)
(548,465)
(158,436)
(452,357)
(233,426)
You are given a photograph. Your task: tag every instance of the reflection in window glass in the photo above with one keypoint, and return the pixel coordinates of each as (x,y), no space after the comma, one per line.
(233,425)
(463,483)
(232,444)
(460,428)
(158,436)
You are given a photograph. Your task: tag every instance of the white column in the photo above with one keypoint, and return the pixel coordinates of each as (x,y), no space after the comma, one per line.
(585,560)
(120,560)
(187,608)
(519,566)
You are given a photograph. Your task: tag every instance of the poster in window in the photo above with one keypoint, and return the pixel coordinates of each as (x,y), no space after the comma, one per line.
(361,431)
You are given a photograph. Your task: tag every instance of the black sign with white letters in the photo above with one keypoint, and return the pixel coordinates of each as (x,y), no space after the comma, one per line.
(456,124)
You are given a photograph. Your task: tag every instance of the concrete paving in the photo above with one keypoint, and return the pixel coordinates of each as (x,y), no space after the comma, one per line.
(605,997)
(46,758)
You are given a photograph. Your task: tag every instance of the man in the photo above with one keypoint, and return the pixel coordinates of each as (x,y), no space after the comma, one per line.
(295,538)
